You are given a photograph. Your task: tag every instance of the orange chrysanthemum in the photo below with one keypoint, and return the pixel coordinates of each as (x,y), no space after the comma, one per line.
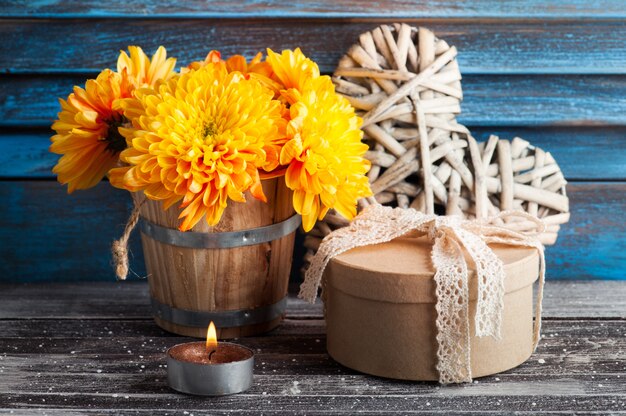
(87,134)
(200,138)
(235,63)
(324,153)
(142,71)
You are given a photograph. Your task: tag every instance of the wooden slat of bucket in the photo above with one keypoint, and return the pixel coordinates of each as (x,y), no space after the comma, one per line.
(222,279)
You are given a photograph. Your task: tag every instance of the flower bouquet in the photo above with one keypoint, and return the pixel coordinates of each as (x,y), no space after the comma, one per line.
(217,155)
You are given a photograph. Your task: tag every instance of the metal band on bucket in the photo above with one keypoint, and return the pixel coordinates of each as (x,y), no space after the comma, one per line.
(229,239)
(222,319)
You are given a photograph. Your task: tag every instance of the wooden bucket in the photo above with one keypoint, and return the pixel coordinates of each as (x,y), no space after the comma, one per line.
(234,274)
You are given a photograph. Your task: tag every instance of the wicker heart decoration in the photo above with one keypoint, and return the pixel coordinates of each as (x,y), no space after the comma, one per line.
(405,83)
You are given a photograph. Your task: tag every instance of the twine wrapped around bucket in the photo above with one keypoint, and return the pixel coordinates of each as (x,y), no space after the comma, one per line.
(451,236)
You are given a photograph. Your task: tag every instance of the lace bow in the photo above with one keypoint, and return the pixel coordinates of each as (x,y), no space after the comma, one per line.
(449,235)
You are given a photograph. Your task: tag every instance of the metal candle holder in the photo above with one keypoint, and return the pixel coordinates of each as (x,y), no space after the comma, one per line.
(211,379)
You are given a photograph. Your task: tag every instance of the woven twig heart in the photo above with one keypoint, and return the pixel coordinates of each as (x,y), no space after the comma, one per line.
(405,83)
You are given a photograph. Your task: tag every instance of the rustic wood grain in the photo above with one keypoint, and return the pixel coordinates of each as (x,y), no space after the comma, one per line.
(490,100)
(304,403)
(570,9)
(56,237)
(126,306)
(165,412)
(486,46)
(592,243)
(600,340)
(112,365)
(583,153)
(62,237)
(103,300)
(26,155)
(583,359)
(279,370)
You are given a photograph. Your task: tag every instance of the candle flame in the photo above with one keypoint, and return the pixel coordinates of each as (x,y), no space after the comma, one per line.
(211,338)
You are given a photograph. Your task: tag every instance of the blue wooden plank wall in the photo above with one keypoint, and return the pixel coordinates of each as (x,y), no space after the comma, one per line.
(553,72)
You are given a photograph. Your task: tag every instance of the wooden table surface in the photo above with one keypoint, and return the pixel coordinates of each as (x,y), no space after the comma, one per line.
(92,348)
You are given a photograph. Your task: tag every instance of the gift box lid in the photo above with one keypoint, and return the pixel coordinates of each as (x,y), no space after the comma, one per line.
(401,271)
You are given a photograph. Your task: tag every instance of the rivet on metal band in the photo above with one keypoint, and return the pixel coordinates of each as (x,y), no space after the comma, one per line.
(229,239)
(222,319)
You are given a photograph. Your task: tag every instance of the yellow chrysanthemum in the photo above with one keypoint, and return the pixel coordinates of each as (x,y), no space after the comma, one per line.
(324,154)
(142,71)
(260,71)
(292,69)
(199,137)
(87,134)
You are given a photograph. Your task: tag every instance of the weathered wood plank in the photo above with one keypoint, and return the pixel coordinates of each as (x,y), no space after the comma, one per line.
(296,336)
(125,307)
(66,366)
(306,404)
(592,298)
(489,99)
(579,363)
(56,237)
(63,237)
(487,46)
(601,340)
(26,155)
(592,244)
(317,412)
(331,404)
(571,9)
(583,153)
(151,380)
(165,412)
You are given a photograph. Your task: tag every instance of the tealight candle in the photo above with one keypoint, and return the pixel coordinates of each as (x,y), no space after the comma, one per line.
(210,368)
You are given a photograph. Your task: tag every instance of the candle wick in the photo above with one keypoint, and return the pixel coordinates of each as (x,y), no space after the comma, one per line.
(211,354)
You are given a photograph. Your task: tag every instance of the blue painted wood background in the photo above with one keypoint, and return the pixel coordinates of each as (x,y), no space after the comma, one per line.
(553,72)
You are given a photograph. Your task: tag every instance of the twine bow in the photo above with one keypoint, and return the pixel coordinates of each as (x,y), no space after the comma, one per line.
(450,236)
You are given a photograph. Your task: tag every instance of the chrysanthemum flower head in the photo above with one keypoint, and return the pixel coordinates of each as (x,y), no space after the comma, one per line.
(213,57)
(87,130)
(236,63)
(212,132)
(257,68)
(199,138)
(292,69)
(261,71)
(324,154)
(142,71)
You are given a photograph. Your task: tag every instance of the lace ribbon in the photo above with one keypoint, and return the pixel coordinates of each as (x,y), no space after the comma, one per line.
(449,235)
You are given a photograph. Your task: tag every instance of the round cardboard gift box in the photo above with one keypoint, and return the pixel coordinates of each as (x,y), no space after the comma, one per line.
(380,311)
